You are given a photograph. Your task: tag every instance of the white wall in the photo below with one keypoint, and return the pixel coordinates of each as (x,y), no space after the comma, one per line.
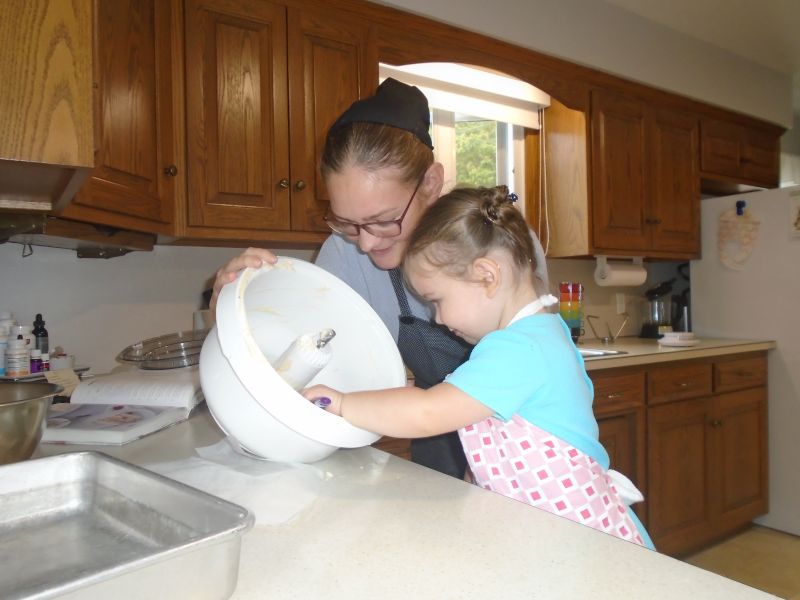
(94,308)
(602,36)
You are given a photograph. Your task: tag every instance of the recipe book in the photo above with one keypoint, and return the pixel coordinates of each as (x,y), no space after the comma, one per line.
(168,387)
(70,423)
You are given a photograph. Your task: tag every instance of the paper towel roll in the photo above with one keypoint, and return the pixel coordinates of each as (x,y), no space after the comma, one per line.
(302,360)
(619,274)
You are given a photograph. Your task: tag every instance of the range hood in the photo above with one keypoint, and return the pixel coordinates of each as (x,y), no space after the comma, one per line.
(88,241)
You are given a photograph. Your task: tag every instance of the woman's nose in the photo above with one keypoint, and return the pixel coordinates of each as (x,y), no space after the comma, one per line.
(366,241)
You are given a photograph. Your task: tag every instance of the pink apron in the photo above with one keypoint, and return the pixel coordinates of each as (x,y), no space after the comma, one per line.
(521,461)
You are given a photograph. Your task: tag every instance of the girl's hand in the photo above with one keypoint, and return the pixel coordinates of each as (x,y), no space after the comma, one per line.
(252,257)
(316,392)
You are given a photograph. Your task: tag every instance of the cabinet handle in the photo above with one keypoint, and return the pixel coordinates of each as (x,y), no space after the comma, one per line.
(716,423)
(283,184)
(300,185)
(171,170)
(615,395)
(683,384)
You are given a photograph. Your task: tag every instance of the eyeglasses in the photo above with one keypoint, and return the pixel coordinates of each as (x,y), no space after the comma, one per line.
(381,229)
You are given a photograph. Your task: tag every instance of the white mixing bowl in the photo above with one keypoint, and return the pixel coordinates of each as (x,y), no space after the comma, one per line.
(257,317)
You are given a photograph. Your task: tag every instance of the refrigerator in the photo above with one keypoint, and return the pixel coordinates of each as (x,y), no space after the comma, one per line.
(747,285)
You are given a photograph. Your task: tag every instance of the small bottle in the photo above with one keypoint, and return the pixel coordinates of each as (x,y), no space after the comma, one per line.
(36,361)
(3,348)
(45,362)
(40,333)
(18,362)
(26,333)
(6,321)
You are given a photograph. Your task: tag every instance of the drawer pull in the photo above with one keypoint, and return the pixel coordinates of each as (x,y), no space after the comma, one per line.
(684,384)
(716,423)
(615,395)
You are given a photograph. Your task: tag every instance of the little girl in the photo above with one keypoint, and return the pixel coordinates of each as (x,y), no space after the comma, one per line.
(522,403)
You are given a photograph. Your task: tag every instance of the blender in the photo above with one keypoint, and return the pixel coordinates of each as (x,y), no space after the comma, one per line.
(658,316)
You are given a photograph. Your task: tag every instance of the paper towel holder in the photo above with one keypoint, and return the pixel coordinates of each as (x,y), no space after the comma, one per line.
(601,270)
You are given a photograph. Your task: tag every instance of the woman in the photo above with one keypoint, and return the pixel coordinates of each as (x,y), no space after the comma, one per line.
(381,175)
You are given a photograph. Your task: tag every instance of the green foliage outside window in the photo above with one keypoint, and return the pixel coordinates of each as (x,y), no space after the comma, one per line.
(476,153)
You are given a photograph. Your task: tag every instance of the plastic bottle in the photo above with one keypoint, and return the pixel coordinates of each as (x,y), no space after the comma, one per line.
(3,348)
(26,333)
(18,362)
(45,362)
(40,333)
(36,361)
(6,321)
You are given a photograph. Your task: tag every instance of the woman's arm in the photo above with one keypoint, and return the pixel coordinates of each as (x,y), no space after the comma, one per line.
(406,412)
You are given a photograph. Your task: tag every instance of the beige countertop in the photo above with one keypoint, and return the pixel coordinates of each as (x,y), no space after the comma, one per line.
(640,351)
(365,524)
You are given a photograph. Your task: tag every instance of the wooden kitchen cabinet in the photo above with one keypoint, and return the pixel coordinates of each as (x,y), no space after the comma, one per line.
(619,407)
(231,154)
(707,458)
(264,83)
(139,172)
(644,178)
(740,154)
(621,180)
(45,102)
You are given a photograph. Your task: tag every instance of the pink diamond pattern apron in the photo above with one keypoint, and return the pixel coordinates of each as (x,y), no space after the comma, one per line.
(521,461)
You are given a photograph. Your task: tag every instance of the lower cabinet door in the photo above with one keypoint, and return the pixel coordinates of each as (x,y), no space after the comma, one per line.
(679,473)
(622,435)
(741,476)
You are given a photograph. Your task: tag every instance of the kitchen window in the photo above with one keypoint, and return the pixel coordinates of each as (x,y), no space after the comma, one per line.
(478,121)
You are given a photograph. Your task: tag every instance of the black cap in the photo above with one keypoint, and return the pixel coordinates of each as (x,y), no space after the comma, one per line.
(394,103)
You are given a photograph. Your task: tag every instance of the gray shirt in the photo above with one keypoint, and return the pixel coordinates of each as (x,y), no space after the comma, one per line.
(348,263)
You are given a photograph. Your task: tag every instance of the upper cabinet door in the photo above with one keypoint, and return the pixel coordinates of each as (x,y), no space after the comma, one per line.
(330,66)
(237,121)
(138,168)
(740,154)
(673,201)
(618,173)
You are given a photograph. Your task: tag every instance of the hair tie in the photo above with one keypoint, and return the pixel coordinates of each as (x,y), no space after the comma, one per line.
(512,197)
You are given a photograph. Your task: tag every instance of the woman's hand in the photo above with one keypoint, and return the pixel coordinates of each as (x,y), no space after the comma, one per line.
(316,392)
(252,257)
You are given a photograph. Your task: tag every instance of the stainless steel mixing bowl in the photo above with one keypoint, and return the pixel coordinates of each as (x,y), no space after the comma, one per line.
(23,410)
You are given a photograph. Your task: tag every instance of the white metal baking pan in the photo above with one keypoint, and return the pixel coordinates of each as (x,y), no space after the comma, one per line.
(84,525)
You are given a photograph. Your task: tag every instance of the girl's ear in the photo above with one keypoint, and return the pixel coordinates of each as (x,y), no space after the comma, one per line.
(488,273)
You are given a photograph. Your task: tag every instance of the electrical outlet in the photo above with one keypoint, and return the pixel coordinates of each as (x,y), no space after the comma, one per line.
(620,298)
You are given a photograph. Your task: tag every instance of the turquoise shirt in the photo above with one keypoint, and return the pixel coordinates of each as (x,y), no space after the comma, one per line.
(532,368)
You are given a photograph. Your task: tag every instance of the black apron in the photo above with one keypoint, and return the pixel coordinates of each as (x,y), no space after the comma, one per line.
(431,352)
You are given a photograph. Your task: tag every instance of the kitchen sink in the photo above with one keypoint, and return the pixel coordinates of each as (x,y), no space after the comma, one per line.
(592,352)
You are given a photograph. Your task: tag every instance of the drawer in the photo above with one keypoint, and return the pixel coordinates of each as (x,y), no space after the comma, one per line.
(614,390)
(740,373)
(678,382)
